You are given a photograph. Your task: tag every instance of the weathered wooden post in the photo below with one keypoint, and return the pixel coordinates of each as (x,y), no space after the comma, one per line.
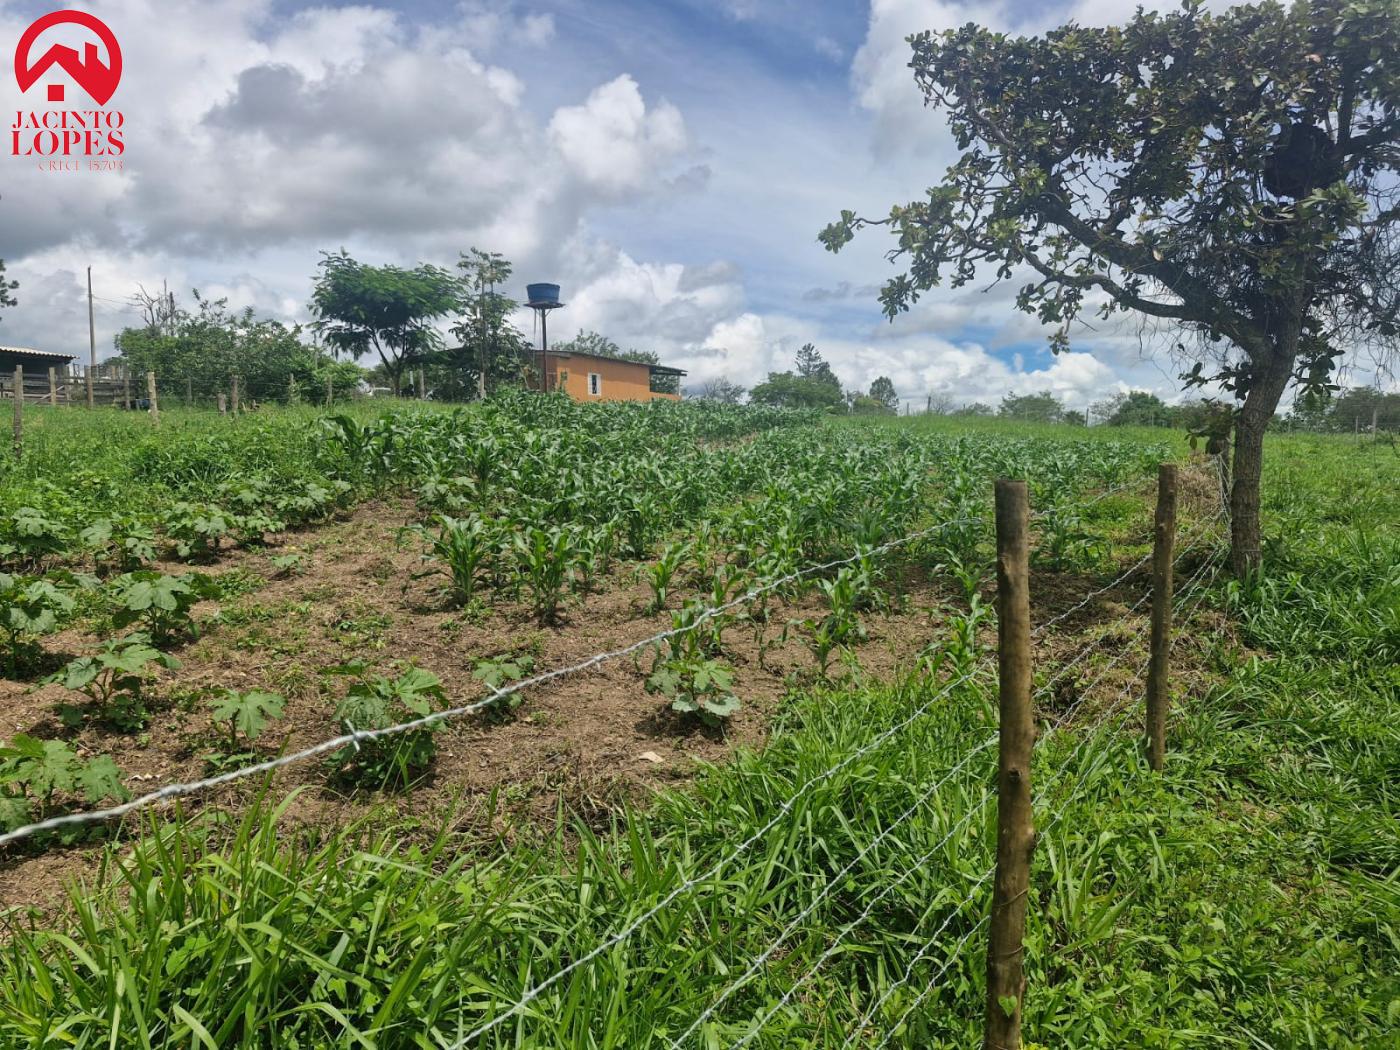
(223,404)
(151,395)
(189,392)
(330,392)
(235,394)
(1158,663)
(126,388)
(1006,982)
(53,387)
(18,398)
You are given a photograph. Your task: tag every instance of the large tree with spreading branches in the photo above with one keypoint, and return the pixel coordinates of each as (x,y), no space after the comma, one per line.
(1232,177)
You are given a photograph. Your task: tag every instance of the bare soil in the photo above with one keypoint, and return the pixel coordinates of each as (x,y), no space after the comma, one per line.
(580,745)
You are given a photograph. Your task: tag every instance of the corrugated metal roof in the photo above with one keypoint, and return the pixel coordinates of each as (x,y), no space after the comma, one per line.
(34,353)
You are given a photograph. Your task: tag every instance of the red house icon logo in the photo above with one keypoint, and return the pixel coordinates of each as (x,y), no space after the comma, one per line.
(97,79)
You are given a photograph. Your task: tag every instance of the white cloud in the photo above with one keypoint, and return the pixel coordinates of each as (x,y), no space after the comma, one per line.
(613,142)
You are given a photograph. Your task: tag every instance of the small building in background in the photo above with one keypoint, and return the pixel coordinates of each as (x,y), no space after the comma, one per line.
(34,362)
(589,377)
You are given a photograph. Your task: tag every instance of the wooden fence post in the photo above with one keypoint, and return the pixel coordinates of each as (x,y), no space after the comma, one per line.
(1006,982)
(126,388)
(151,395)
(53,388)
(235,394)
(18,397)
(189,392)
(1158,666)
(223,404)
(330,392)
(422,386)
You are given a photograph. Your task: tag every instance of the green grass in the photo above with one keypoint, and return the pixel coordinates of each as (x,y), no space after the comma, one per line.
(1248,896)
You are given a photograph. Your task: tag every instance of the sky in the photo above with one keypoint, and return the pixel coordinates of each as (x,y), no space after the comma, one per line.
(668,164)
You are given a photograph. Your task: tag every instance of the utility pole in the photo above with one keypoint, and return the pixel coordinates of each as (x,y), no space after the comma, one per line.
(92,341)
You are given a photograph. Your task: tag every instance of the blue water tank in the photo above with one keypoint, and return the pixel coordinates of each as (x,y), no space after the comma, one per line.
(542,294)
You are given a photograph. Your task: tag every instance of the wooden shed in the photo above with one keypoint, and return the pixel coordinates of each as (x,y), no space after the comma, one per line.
(37,361)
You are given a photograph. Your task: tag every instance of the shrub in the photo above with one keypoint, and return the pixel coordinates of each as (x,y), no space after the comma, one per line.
(377,702)
(113,680)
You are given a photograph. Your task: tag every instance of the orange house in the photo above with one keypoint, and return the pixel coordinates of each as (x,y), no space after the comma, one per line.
(588,377)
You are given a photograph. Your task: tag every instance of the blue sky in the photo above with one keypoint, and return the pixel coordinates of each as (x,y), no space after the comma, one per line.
(670,164)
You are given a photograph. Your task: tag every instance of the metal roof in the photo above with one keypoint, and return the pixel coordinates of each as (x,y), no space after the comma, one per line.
(661,369)
(27,351)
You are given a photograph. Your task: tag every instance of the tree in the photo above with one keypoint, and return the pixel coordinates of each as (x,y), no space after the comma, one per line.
(6,287)
(723,390)
(386,309)
(480,330)
(1232,174)
(1140,408)
(811,365)
(1355,409)
(1043,407)
(1075,418)
(883,393)
(201,348)
(975,409)
(789,390)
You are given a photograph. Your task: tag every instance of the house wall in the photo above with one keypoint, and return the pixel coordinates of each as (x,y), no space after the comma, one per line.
(621,380)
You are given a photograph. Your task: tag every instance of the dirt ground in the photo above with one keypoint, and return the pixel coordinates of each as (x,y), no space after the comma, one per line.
(582,744)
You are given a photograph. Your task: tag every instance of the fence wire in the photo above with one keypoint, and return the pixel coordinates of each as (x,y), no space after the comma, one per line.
(358,736)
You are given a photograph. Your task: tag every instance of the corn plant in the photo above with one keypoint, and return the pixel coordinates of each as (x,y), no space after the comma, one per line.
(842,625)
(661,573)
(460,549)
(114,680)
(545,559)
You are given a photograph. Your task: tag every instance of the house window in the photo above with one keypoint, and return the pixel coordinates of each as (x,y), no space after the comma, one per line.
(595,384)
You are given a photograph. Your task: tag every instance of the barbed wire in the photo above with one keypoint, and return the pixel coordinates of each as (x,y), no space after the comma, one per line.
(832,883)
(358,736)
(1100,727)
(835,880)
(1139,564)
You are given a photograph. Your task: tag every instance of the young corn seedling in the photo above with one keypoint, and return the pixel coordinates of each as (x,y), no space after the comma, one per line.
(545,557)
(662,573)
(462,548)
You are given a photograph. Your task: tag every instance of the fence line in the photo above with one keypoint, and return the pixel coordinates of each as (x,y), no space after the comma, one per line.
(923,953)
(834,880)
(358,736)
(831,949)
